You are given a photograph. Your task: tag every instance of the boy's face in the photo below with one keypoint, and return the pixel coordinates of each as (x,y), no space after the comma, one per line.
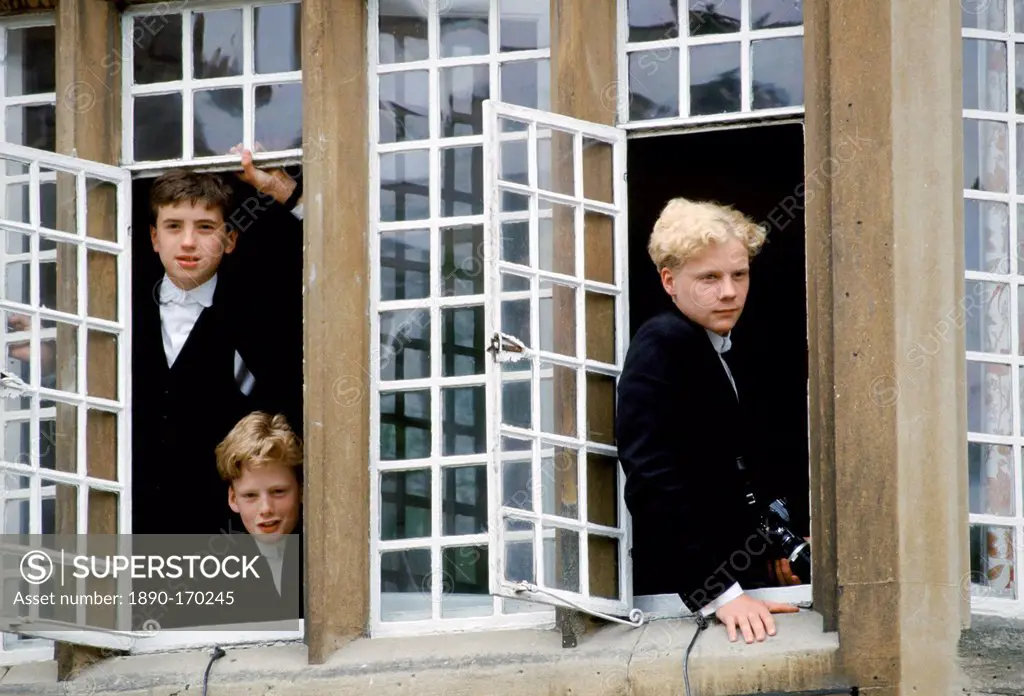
(191,241)
(268,499)
(711,288)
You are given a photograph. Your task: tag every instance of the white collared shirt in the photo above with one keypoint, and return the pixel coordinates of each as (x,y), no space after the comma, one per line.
(179,311)
(274,553)
(721,344)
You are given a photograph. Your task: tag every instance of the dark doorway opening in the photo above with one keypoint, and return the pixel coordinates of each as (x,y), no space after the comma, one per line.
(760,171)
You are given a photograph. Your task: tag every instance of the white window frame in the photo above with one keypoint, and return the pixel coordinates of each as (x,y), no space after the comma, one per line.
(983,600)
(188,85)
(682,43)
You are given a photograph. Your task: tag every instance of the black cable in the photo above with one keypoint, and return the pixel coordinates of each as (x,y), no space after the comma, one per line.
(218,652)
(702,623)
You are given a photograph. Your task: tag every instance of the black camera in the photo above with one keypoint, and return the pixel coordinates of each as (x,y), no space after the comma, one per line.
(775,526)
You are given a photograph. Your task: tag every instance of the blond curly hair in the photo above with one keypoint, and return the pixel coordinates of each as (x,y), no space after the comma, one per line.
(257,440)
(686,227)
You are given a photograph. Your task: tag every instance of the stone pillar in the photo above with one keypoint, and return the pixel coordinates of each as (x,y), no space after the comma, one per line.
(885,262)
(336,300)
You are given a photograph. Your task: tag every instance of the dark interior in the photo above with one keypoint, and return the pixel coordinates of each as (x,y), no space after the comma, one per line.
(759,170)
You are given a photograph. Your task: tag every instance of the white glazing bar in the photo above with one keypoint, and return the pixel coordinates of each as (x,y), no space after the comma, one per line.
(374,294)
(35,354)
(248,69)
(746,92)
(187,70)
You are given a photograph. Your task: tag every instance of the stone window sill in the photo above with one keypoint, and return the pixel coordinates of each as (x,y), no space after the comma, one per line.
(612,659)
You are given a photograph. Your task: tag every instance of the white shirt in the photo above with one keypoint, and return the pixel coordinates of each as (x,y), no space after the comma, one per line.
(722,344)
(274,553)
(179,312)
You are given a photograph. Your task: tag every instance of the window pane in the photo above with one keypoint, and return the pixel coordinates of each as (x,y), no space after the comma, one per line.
(986,14)
(989,398)
(464,500)
(277,38)
(217,43)
(463,92)
(714,17)
(403,31)
(777,76)
(405,425)
(405,344)
(157,127)
(991,479)
(653,84)
(526,83)
(462,175)
(405,504)
(462,341)
(29,63)
(984,74)
(404,106)
(987,318)
(714,79)
(653,20)
(157,48)
(217,121)
(987,236)
(405,265)
(464,430)
(463,25)
(465,588)
(775,14)
(33,126)
(405,581)
(405,186)
(525,24)
(992,561)
(985,155)
(279,116)
(462,260)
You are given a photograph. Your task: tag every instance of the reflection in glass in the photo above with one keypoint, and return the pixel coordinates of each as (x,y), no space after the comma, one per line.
(157,49)
(777,76)
(653,84)
(516,487)
(462,341)
(464,500)
(462,174)
(157,127)
(217,121)
(405,504)
(989,388)
(561,558)
(653,20)
(277,38)
(217,43)
(405,425)
(714,79)
(404,186)
(463,28)
(405,344)
(986,316)
(993,561)
(30,61)
(714,17)
(775,14)
(404,265)
(279,116)
(405,581)
(988,59)
(985,144)
(519,560)
(462,260)
(987,236)
(986,14)
(526,83)
(404,104)
(991,479)
(464,426)
(32,126)
(465,582)
(516,403)
(403,31)
(525,26)
(463,92)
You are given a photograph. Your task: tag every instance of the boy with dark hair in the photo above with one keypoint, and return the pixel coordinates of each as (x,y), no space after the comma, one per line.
(198,364)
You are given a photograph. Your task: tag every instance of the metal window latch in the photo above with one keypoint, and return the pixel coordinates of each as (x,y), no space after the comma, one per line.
(505,348)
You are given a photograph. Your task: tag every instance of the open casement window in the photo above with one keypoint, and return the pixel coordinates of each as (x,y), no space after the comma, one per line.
(65,391)
(555,206)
